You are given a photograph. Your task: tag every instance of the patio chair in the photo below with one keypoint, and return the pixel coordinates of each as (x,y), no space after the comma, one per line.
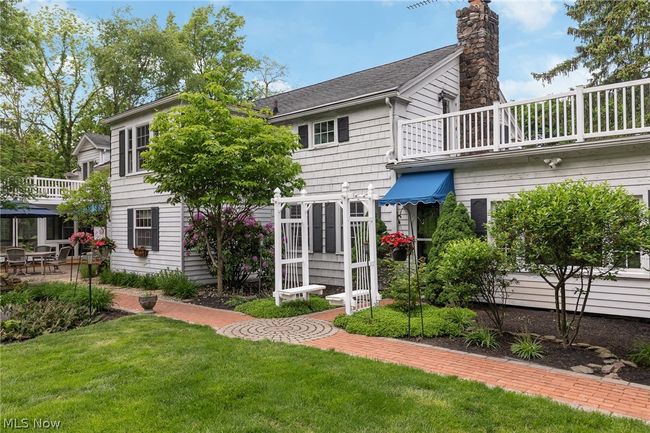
(16,259)
(60,259)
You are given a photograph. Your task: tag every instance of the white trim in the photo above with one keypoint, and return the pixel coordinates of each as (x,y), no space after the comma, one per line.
(335,130)
(428,73)
(136,228)
(174,98)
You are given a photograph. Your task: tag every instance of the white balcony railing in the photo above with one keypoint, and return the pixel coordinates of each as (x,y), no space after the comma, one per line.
(50,188)
(585,113)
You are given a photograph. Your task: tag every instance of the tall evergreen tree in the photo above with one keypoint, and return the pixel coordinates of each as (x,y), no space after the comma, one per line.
(613,41)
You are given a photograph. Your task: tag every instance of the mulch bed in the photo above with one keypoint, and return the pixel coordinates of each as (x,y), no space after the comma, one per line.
(616,334)
(207,296)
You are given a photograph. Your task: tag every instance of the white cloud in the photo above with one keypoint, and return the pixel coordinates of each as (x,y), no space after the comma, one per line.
(530,15)
(280,86)
(531,88)
(34,5)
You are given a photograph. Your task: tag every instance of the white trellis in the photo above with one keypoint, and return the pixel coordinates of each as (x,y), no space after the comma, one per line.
(359,244)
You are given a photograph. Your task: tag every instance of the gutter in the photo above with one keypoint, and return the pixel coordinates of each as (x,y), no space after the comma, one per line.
(369,97)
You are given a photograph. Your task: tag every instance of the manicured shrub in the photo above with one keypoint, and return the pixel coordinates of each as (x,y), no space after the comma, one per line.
(128,279)
(641,354)
(571,234)
(471,269)
(266,308)
(71,294)
(175,283)
(389,321)
(481,337)
(454,223)
(398,290)
(527,347)
(32,319)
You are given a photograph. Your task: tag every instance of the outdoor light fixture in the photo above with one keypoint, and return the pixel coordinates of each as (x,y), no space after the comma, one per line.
(553,163)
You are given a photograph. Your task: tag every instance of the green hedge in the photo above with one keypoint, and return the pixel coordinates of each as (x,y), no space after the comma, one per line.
(172,283)
(266,308)
(388,321)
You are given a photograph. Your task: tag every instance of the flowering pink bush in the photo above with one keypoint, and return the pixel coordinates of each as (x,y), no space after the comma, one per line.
(81,238)
(247,246)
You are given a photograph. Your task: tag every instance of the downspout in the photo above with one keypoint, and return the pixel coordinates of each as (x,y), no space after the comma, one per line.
(393,176)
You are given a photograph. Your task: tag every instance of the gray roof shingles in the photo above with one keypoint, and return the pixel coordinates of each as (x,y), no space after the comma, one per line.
(103,141)
(380,78)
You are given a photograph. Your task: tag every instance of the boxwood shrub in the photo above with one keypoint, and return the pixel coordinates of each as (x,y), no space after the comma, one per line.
(266,308)
(388,321)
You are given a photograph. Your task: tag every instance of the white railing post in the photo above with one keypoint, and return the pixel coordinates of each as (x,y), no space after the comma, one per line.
(580,114)
(347,247)
(372,243)
(496,125)
(400,140)
(304,242)
(277,244)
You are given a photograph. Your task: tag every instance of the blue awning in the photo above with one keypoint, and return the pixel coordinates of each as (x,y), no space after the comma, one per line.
(424,187)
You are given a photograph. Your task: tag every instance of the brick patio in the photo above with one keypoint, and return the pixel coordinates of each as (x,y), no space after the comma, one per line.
(582,391)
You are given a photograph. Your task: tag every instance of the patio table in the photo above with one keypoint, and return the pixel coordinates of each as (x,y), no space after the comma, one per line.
(41,256)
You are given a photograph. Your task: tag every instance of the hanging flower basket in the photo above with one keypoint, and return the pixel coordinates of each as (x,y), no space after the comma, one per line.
(400,243)
(399,254)
(141,251)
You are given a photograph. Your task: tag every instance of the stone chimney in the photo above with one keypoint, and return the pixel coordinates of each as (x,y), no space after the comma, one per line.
(478,33)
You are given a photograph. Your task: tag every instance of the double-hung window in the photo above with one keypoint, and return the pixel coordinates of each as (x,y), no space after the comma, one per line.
(324,132)
(141,143)
(142,228)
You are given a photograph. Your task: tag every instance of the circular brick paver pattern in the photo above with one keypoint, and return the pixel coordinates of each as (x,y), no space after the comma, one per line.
(287,330)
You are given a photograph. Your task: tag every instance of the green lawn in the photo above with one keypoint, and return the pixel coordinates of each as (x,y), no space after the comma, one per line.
(149,374)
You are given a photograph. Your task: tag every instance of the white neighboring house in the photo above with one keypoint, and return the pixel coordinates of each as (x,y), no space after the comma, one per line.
(93,152)
(422,115)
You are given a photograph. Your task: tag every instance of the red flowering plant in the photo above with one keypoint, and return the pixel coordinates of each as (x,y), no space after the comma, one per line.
(397,240)
(105,244)
(81,238)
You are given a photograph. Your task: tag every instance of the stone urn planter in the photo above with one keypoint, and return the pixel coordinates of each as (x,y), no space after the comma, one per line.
(147,302)
(399,254)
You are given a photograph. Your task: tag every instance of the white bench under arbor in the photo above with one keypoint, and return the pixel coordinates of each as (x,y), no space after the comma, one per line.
(359,243)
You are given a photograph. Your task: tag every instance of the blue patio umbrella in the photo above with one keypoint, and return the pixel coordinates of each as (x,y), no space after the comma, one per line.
(27,212)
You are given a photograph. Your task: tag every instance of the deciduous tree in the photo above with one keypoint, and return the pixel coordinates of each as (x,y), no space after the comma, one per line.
(210,152)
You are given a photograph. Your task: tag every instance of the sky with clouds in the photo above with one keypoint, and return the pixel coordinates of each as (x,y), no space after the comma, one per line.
(319,40)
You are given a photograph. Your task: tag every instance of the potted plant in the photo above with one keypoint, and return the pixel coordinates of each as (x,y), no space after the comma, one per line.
(140,251)
(104,246)
(147,301)
(400,244)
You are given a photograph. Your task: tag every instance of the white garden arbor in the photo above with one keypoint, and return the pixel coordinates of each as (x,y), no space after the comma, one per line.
(359,245)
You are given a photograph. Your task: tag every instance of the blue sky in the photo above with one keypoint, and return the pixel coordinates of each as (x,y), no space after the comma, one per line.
(319,40)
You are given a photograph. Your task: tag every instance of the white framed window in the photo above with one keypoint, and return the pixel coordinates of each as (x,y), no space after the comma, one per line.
(142,228)
(324,132)
(141,144)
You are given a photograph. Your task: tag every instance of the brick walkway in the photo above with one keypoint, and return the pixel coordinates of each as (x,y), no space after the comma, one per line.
(586,392)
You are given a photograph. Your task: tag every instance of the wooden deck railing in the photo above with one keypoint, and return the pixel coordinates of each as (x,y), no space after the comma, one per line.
(50,188)
(582,114)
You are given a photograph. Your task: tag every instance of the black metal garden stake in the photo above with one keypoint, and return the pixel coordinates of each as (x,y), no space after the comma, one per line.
(90,286)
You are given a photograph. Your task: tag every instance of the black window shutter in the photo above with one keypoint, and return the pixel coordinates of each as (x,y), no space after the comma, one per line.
(155,229)
(344,129)
(129,228)
(330,227)
(303,133)
(317,227)
(479,215)
(84,171)
(649,198)
(122,154)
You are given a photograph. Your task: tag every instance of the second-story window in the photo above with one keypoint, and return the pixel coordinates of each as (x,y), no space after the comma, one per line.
(324,132)
(141,143)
